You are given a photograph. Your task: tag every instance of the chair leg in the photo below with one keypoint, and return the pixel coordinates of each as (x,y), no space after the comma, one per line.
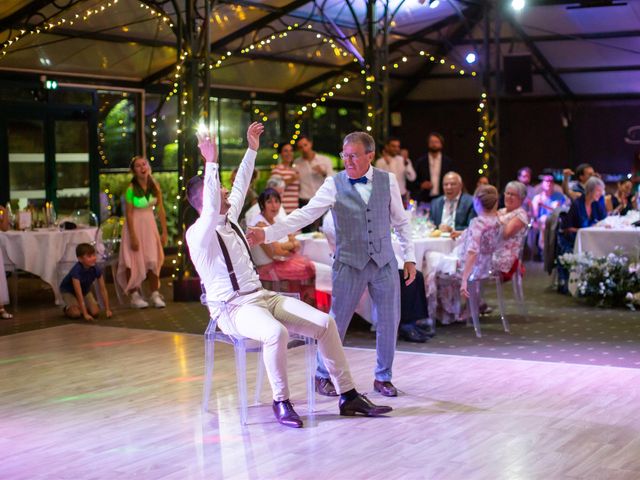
(241,374)
(519,293)
(474,306)
(311,364)
(505,322)
(259,377)
(209,350)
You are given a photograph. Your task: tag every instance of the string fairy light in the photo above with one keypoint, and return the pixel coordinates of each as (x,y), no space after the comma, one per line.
(49,25)
(484,130)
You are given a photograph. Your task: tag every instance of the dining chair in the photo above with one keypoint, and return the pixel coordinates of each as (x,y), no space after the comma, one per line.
(241,347)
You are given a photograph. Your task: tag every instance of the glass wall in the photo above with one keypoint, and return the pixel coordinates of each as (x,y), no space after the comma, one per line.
(117,128)
(27,181)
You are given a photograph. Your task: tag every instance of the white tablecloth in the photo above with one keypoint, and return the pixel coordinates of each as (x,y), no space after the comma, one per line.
(317,249)
(39,251)
(602,241)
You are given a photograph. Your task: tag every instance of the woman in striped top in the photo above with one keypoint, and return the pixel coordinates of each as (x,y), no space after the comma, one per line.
(290,175)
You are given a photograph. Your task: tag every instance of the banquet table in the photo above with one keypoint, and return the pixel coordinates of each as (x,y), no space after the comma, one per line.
(601,241)
(39,251)
(316,247)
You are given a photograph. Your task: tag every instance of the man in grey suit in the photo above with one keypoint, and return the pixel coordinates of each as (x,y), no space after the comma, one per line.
(453,211)
(365,203)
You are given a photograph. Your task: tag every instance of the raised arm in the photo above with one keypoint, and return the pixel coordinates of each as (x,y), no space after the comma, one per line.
(245,172)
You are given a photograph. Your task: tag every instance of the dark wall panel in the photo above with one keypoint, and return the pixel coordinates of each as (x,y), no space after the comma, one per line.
(533,134)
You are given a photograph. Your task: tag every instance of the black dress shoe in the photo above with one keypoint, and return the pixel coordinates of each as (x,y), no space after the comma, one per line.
(385,388)
(286,415)
(363,405)
(411,333)
(325,387)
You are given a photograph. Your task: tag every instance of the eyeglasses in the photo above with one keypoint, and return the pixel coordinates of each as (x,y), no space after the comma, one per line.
(350,156)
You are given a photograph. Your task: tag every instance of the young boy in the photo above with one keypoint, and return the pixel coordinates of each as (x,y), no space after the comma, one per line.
(76,286)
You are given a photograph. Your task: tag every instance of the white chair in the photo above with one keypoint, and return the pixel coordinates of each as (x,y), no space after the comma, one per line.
(516,282)
(241,347)
(107,244)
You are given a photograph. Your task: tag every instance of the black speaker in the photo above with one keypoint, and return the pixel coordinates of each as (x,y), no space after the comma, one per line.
(517,74)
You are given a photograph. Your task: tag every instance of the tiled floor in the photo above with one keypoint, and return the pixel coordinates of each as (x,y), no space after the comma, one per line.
(558,328)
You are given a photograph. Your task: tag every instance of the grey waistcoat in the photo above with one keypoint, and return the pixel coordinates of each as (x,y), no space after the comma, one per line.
(363,232)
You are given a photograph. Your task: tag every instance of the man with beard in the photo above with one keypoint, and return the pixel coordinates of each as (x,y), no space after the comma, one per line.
(430,169)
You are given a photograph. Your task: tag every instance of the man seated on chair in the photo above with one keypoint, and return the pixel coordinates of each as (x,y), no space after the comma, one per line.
(453,211)
(236,298)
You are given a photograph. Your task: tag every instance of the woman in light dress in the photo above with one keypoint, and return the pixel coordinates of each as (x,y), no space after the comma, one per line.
(141,248)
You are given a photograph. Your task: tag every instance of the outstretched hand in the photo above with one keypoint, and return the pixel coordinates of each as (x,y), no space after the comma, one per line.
(208,146)
(253,135)
(255,236)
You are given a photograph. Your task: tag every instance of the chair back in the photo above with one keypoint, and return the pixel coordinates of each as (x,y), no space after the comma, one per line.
(490,241)
(108,238)
(84,217)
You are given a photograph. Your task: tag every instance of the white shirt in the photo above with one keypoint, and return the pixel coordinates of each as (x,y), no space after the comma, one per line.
(202,240)
(325,198)
(310,180)
(449,211)
(399,169)
(435,171)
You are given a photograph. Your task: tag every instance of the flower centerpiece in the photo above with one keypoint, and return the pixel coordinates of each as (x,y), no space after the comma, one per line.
(609,281)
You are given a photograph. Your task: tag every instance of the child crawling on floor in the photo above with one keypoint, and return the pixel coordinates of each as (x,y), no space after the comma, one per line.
(76,286)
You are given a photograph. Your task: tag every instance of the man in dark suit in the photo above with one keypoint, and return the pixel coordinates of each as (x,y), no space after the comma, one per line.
(453,211)
(430,170)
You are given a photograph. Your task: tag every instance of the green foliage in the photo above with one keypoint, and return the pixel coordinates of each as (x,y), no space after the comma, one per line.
(604,281)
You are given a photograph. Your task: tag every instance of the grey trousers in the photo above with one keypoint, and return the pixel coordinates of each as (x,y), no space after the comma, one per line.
(348,286)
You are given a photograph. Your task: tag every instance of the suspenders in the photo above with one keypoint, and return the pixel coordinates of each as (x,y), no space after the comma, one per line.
(227,257)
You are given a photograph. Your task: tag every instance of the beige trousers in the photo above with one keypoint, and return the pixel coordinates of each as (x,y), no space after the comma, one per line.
(268,317)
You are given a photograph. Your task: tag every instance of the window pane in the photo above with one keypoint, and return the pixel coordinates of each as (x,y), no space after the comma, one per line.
(161,135)
(116,128)
(234,118)
(26,162)
(72,165)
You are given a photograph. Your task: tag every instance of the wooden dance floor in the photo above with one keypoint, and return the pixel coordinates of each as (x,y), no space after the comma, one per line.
(90,402)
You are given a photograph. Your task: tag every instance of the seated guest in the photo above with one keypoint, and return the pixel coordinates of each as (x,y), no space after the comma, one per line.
(514,220)
(278,184)
(76,286)
(482,180)
(471,256)
(585,211)
(235,296)
(392,161)
(574,189)
(4,291)
(453,211)
(278,260)
(622,201)
(543,204)
(290,176)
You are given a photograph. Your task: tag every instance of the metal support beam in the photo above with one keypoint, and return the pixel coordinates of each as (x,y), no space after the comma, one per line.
(258,24)
(473,15)
(22,14)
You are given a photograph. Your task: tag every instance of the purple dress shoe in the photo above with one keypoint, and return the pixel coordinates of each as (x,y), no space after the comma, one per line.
(286,415)
(385,388)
